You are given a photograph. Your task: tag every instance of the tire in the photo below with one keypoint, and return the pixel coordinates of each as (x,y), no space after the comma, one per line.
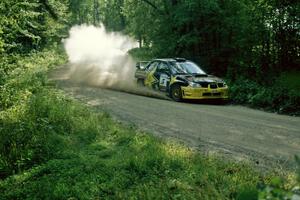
(140,83)
(176,93)
(224,101)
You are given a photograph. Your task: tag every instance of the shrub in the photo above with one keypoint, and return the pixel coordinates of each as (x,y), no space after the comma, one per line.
(279,188)
(26,133)
(278,97)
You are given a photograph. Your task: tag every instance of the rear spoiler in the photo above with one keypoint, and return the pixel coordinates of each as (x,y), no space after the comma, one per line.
(142,64)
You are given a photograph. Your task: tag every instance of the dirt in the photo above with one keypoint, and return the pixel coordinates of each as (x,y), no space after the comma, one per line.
(266,140)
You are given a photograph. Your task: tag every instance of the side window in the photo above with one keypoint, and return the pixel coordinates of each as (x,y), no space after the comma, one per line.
(151,66)
(163,68)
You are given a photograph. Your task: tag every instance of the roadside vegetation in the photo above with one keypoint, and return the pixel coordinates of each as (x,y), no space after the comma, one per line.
(53,147)
(282,96)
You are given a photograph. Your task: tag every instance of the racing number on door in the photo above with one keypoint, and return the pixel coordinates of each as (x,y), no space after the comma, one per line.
(163,74)
(163,80)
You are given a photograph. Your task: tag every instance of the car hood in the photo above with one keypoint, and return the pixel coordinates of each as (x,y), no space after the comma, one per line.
(201,79)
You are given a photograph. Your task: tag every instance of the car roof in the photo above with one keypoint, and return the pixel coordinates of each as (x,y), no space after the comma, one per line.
(170,59)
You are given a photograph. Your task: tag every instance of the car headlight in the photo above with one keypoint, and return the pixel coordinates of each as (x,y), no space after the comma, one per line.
(222,84)
(194,85)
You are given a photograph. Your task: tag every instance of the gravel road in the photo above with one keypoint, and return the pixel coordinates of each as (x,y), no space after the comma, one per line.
(235,132)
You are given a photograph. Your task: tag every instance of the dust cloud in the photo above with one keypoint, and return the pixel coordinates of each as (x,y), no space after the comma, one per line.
(99,58)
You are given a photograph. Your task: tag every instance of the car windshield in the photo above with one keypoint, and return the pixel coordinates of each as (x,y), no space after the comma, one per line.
(186,68)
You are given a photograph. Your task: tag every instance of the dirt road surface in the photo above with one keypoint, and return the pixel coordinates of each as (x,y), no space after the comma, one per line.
(235,132)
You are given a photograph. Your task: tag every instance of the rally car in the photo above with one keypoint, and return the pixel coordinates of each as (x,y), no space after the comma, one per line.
(180,79)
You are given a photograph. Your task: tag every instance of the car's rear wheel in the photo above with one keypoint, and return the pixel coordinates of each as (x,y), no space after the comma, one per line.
(176,93)
(140,83)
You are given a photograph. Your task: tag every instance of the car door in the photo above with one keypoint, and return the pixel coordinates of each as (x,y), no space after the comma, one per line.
(162,74)
(151,80)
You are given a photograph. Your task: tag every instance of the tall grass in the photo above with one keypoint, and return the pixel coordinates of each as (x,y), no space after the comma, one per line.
(24,109)
(99,159)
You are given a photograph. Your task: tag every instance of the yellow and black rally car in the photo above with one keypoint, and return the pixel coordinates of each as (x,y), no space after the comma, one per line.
(180,79)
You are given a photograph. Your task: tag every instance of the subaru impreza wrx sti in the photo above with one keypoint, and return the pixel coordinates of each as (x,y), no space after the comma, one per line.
(180,79)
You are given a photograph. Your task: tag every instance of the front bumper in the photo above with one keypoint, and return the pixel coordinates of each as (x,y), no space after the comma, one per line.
(204,93)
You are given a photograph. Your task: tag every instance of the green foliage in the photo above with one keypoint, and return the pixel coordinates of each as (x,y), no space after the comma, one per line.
(280,189)
(52,147)
(219,34)
(216,34)
(277,191)
(81,11)
(56,148)
(280,97)
(102,159)
(98,12)
(141,53)
(25,25)
(59,149)
(24,106)
(290,80)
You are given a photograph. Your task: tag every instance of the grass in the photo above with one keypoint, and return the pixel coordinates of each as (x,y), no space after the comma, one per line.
(53,147)
(103,159)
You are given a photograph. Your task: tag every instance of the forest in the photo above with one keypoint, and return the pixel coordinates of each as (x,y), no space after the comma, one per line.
(253,44)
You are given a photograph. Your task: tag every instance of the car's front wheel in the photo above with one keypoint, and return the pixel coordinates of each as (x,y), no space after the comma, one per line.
(176,93)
